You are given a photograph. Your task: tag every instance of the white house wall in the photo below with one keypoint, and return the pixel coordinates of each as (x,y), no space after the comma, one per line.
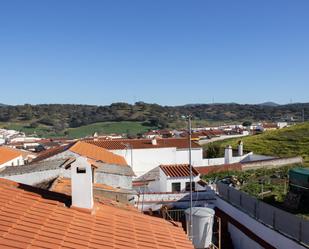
(145,160)
(14,162)
(182,156)
(37,177)
(182,181)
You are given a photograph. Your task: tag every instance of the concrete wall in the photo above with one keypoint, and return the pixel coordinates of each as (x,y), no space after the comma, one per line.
(182,181)
(241,240)
(37,177)
(14,162)
(182,156)
(273,163)
(267,234)
(113,180)
(144,160)
(220,160)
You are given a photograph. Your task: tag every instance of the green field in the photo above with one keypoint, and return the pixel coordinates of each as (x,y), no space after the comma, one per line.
(291,141)
(109,127)
(131,128)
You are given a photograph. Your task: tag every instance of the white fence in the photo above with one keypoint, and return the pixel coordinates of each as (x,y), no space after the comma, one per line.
(286,223)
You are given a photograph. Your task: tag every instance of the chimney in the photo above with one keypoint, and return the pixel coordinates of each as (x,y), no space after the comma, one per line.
(81,184)
(228,154)
(154,141)
(240,148)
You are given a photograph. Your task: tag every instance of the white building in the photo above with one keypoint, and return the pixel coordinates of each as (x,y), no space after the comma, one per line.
(10,157)
(146,154)
(171,179)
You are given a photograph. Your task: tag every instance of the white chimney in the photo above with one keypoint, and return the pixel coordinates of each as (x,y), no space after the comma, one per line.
(240,148)
(81,183)
(154,141)
(228,154)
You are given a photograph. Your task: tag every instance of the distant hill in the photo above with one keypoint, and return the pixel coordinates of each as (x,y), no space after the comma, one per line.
(58,117)
(291,141)
(272,104)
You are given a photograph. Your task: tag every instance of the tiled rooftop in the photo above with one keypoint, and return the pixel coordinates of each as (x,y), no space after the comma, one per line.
(28,219)
(84,149)
(7,154)
(178,170)
(97,153)
(121,144)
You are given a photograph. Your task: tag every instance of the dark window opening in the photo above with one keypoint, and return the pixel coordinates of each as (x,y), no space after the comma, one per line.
(80,170)
(176,187)
(188,186)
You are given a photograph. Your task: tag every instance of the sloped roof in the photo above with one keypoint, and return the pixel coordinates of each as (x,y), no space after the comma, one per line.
(29,219)
(35,167)
(84,149)
(121,144)
(178,170)
(7,154)
(97,153)
(51,152)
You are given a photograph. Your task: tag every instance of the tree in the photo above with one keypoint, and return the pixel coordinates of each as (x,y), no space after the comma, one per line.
(34,125)
(247,123)
(213,151)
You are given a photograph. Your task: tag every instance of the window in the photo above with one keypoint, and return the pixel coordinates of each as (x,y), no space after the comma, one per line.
(80,170)
(188,186)
(176,187)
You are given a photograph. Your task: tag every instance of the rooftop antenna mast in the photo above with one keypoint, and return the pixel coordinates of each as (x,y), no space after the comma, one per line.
(190,165)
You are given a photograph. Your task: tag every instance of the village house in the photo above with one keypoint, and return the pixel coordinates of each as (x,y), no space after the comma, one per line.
(145,154)
(110,169)
(170,178)
(10,157)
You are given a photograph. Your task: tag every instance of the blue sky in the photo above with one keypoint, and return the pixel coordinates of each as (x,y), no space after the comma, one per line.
(169,52)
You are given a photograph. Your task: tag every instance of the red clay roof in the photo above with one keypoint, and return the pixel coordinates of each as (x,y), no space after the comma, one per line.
(63,185)
(51,152)
(7,154)
(97,153)
(178,170)
(120,144)
(84,149)
(29,220)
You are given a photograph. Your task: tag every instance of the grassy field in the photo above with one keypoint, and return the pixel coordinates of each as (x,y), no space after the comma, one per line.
(131,128)
(291,141)
(41,130)
(108,127)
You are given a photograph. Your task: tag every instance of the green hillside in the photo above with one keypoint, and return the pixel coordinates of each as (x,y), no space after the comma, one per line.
(131,128)
(291,141)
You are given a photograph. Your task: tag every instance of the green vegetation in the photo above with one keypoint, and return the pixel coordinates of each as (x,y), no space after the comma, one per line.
(271,185)
(60,117)
(286,142)
(131,128)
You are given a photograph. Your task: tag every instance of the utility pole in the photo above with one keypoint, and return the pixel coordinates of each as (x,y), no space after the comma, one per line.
(190,165)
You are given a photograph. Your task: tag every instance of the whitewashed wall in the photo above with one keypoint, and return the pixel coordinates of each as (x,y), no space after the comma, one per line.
(145,160)
(15,162)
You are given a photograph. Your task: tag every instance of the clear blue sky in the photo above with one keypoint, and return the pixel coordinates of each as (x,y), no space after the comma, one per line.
(164,51)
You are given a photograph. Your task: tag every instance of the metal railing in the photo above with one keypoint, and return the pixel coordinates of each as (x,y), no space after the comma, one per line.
(286,223)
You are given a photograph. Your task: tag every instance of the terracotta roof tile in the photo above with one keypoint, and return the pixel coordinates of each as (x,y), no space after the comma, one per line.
(7,154)
(178,170)
(97,153)
(121,144)
(29,220)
